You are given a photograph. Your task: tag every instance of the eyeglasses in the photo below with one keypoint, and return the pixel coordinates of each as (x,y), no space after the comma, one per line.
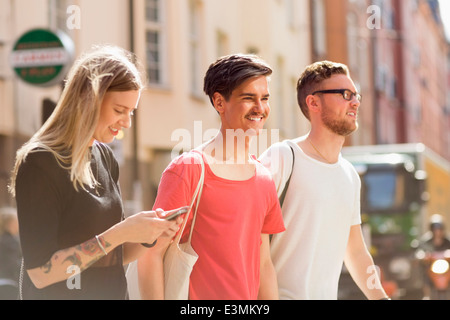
(346,93)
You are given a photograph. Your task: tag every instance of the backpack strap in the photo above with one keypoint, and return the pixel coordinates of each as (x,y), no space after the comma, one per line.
(286,185)
(283,194)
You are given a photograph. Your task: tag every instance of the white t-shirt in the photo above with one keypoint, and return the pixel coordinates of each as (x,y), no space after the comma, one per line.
(321,204)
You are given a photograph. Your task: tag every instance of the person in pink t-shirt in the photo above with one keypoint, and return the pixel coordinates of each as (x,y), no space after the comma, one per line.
(239,206)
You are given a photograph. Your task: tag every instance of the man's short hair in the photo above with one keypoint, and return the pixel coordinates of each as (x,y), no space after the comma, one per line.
(229,72)
(312,77)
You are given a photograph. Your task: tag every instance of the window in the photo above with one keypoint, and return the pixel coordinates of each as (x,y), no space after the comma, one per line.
(58,15)
(290,13)
(277,98)
(195,47)
(352,41)
(384,190)
(155,42)
(319,25)
(222,44)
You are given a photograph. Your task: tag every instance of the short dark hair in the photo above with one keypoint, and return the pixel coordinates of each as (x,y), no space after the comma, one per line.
(311,78)
(228,72)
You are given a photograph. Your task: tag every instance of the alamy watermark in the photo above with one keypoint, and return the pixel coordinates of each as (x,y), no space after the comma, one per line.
(74,281)
(234,138)
(74,17)
(374,20)
(73,20)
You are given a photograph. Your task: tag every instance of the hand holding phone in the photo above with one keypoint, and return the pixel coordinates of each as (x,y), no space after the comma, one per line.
(170,215)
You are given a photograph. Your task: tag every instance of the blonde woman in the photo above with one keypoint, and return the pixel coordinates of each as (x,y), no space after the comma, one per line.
(73,234)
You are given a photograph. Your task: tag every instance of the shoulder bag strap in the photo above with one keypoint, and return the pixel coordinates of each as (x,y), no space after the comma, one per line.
(196,196)
(283,194)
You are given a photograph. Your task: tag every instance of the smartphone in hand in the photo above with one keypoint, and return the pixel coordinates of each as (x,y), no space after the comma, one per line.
(171,215)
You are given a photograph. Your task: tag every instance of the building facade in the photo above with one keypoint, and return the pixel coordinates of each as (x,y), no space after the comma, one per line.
(175,40)
(397,53)
(340,33)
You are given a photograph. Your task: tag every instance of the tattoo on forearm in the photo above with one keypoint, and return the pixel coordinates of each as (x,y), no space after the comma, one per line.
(74,259)
(46,268)
(90,247)
(84,255)
(104,243)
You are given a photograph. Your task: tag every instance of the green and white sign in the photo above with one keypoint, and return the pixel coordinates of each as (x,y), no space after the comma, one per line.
(41,57)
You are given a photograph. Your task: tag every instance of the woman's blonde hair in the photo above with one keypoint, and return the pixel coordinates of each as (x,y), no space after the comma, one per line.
(68,132)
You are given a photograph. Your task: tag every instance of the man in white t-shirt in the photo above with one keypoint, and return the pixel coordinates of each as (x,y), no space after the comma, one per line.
(321,208)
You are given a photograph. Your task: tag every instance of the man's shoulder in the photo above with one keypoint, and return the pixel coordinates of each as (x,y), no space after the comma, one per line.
(278,150)
(185,163)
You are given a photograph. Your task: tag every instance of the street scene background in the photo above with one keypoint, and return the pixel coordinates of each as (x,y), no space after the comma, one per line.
(397,52)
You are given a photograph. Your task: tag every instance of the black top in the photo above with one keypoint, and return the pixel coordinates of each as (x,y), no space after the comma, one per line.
(54,216)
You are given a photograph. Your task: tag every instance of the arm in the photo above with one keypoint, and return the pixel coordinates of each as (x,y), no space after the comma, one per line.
(176,188)
(151,284)
(360,264)
(56,269)
(268,289)
(142,227)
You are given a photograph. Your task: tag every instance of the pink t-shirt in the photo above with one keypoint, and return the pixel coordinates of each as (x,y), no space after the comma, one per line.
(227,232)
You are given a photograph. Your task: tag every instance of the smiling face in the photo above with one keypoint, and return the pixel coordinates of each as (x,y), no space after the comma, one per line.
(247,108)
(337,114)
(116,111)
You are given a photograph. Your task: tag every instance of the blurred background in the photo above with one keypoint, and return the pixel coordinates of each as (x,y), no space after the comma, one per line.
(397,52)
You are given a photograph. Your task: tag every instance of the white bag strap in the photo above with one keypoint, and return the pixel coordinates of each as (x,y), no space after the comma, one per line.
(197,196)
